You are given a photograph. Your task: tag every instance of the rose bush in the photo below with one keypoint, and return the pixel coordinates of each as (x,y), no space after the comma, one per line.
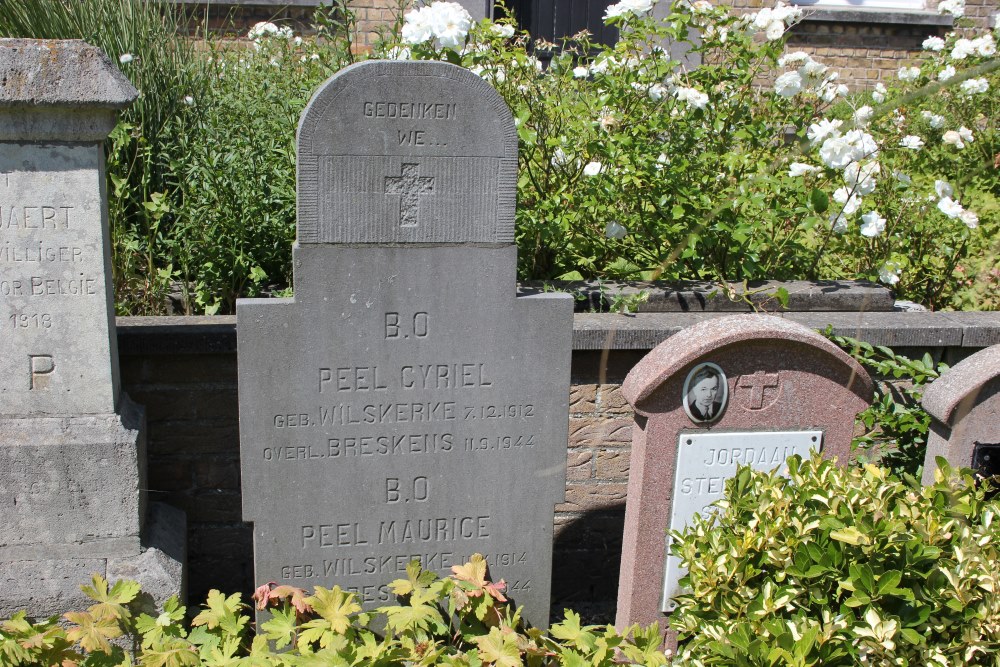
(755,164)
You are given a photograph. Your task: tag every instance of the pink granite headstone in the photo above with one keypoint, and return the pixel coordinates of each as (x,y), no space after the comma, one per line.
(748,389)
(965,405)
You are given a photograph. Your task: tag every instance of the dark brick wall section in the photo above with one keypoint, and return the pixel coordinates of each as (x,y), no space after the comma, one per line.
(183,370)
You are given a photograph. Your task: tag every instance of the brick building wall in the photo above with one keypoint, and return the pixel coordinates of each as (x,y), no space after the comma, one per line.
(865,46)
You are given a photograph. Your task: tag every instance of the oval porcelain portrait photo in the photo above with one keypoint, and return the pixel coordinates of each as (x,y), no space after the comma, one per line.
(705,393)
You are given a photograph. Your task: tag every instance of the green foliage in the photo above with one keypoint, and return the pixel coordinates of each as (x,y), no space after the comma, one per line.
(842,566)
(632,165)
(896,426)
(636,166)
(146,41)
(464,620)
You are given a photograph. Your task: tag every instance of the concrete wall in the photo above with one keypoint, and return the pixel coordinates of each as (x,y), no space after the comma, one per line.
(183,369)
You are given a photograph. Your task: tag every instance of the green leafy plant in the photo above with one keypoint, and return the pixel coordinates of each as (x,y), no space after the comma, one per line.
(832,565)
(895,424)
(146,39)
(464,620)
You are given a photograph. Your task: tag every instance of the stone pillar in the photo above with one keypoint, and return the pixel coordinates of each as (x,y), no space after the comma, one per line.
(72,478)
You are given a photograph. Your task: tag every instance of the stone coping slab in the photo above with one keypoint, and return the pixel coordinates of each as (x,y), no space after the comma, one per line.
(66,73)
(599,331)
(702,296)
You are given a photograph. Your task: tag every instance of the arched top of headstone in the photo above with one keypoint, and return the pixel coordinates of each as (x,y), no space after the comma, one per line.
(699,342)
(396,152)
(60,73)
(961,385)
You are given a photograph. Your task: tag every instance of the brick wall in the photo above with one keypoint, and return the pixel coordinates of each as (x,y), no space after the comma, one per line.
(234,20)
(868,46)
(183,370)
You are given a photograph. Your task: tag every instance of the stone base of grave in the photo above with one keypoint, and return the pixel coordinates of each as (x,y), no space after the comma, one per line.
(72,486)
(49,587)
(73,503)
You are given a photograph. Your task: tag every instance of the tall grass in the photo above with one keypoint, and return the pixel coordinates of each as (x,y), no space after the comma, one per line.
(146,39)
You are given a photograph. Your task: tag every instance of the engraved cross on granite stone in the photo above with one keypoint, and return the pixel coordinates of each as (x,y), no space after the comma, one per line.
(757,383)
(410,186)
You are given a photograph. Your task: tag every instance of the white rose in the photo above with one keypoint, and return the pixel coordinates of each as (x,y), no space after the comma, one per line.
(849,201)
(838,223)
(504,30)
(861,177)
(580,72)
(788,84)
(971,87)
(796,169)
(823,129)
(936,121)
(889,273)
(863,115)
(872,224)
(933,44)
(963,49)
(879,94)
(950,207)
(986,46)
(912,141)
(908,73)
(943,188)
(593,169)
(970,219)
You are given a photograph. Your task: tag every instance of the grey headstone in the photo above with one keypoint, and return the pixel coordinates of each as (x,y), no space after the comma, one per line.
(405,404)
(72,479)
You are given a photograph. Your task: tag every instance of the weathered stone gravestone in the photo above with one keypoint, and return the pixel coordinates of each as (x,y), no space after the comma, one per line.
(72,498)
(748,389)
(965,405)
(404,404)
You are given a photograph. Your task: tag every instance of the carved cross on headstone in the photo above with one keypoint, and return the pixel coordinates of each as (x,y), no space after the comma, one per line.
(409,186)
(757,383)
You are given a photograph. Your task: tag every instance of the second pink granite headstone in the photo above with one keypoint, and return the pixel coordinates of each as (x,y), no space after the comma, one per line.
(965,404)
(748,389)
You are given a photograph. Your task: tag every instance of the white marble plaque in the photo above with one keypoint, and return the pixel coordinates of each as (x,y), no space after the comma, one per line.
(705,461)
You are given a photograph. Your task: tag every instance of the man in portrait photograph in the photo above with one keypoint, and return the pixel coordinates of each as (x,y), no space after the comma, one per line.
(704,396)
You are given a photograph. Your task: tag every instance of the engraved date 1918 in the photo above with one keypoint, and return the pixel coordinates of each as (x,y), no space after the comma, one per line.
(30,320)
